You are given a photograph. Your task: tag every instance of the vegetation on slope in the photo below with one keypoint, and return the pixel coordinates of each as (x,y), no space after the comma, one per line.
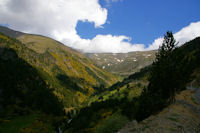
(38,85)
(181,116)
(67,78)
(168,75)
(22,85)
(27,103)
(107,109)
(73,76)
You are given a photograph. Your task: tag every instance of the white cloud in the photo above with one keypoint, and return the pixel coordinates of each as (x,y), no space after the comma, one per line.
(114,44)
(122,44)
(54,18)
(184,35)
(155,45)
(188,33)
(58,19)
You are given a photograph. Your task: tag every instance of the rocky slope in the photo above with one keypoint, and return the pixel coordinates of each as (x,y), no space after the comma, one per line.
(183,116)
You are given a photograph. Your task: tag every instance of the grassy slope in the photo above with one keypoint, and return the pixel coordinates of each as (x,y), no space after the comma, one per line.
(130,87)
(42,44)
(81,71)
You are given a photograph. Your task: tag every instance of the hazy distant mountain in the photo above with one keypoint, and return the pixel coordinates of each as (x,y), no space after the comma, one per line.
(10,33)
(123,63)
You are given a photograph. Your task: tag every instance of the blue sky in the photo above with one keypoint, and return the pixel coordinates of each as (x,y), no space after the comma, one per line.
(143,20)
(104,26)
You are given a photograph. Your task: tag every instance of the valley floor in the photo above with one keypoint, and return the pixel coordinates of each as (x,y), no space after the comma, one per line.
(181,117)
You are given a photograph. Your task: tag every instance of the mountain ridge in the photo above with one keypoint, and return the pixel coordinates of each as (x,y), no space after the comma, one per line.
(123,64)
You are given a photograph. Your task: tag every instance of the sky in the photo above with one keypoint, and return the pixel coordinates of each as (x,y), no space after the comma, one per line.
(104,26)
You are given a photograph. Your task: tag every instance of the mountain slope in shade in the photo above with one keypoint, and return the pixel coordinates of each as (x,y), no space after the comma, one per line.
(123,64)
(71,74)
(21,85)
(10,33)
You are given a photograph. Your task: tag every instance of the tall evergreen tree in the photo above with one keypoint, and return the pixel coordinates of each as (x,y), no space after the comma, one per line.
(168,45)
(160,91)
(161,84)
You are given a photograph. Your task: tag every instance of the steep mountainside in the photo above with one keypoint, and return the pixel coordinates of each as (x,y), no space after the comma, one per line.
(123,64)
(110,110)
(70,73)
(27,102)
(181,116)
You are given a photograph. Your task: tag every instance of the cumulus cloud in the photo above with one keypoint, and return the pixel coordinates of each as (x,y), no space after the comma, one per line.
(184,35)
(58,19)
(115,44)
(155,45)
(188,33)
(54,18)
(122,44)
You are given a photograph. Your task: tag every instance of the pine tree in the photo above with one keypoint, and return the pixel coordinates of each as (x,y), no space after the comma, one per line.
(168,45)
(161,85)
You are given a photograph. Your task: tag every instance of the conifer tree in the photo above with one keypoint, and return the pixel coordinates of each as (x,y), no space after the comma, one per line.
(161,85)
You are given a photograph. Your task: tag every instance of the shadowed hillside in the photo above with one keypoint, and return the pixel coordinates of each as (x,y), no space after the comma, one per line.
(21,85)
(25,97)
(10,33)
